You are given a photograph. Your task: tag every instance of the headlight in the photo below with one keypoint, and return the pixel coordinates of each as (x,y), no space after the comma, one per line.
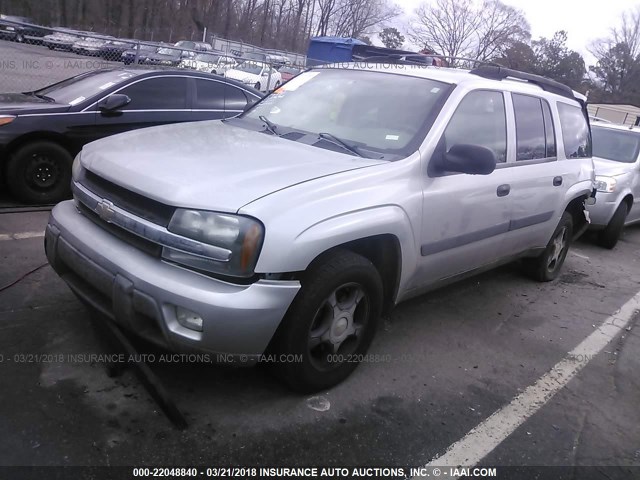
(76,168)
(240,236)
(605,184)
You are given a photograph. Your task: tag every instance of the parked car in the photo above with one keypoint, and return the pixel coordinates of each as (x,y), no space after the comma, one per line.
(287,73)
(113,49)
(216,63)
(290,229)
(143,50)
(41,131)
(616,154)
(62,39)
(191,45)
(261,76)
(21,29)
(90,46)
(165,55)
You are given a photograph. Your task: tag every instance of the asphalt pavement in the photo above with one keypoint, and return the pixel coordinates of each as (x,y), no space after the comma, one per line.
(443,364)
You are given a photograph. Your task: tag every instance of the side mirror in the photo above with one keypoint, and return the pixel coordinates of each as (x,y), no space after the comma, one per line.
(113,102)
(470,159)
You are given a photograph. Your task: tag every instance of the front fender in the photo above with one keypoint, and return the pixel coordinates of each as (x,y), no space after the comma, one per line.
(305,246)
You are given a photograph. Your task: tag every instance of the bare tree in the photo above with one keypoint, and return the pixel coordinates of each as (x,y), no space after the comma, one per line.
(457,28)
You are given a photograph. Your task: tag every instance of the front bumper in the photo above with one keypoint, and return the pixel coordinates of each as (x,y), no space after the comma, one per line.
(140,292)
(602,211)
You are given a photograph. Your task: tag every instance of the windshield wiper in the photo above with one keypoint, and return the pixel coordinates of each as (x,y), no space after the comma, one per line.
(336,141)
(272,127)
(41,97)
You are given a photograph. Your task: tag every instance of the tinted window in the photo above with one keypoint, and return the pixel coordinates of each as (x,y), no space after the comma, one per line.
(550,133)
(575,131)
(209,95)
(157,94)
(617,145)
(479,120)
(530,134)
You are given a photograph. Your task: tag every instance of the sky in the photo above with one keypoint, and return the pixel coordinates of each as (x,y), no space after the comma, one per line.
(584,21)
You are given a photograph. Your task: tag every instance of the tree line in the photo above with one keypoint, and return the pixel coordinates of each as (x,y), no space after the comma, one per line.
(479,30)
(277,24)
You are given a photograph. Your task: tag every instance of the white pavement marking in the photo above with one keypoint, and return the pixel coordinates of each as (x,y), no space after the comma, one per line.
(20,236)
(484,438)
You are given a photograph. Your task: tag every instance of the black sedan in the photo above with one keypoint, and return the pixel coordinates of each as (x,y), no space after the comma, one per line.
(42,131)
(21,29)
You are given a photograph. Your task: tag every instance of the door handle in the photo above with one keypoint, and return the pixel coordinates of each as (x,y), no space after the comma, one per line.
(557,181)
(503,190)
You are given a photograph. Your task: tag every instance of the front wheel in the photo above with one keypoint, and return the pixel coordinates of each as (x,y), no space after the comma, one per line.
(40,173)
(330,323)
(608,238)
(547,266)
(257,86)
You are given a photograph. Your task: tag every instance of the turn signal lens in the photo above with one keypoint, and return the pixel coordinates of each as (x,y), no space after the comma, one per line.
(5,119)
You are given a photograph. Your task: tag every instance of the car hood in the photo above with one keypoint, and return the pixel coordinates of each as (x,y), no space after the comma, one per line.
(210,165)
(244,77)
(20,103)
(611,168)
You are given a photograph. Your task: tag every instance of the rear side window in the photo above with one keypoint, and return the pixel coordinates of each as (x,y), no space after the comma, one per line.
(575,131)
(479,120)
(535,138)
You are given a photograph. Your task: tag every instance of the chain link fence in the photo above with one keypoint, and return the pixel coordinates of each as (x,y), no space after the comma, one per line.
(32,57)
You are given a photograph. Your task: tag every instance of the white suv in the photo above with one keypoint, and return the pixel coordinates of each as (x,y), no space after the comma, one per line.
(292,228)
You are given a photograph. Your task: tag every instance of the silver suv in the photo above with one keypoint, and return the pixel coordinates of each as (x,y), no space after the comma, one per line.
(283,235)
(616,152)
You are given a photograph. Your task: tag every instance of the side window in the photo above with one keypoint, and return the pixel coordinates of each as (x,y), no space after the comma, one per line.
(575,131)
(479,120)
(235,100)
(167,93)
(549,131)
(209,95)
(530,133)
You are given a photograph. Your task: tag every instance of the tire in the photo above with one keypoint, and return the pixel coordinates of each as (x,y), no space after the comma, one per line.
(277,85)
(40,173)
(20,38)
(547,266)
(608,238)
(313,333)
(257,86)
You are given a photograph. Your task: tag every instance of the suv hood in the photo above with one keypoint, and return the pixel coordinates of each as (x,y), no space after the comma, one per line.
(210,165)
(611,168)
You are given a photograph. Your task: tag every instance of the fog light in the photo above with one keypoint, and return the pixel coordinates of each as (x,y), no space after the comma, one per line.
(189,319)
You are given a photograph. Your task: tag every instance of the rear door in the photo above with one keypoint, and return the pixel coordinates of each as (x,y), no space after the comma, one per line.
(154,101)
(539,180)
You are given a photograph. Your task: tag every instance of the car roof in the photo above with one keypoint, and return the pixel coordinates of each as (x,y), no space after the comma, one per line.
(456,76)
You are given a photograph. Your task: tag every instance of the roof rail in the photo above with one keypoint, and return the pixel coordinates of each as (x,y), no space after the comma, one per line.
(407,58)
(496,72)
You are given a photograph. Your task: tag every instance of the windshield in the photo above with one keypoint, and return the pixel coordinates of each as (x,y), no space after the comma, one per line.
(76,89)
(382,112)
(250,67)
(617,145)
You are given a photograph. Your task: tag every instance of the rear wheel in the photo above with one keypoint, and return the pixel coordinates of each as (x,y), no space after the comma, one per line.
(608,238)
(40,172)
(547,266)
(331,322)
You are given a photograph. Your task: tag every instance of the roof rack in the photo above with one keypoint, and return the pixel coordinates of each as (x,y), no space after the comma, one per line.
(496,72)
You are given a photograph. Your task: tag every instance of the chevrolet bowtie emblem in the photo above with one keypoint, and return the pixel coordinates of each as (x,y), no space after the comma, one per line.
(105,210)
